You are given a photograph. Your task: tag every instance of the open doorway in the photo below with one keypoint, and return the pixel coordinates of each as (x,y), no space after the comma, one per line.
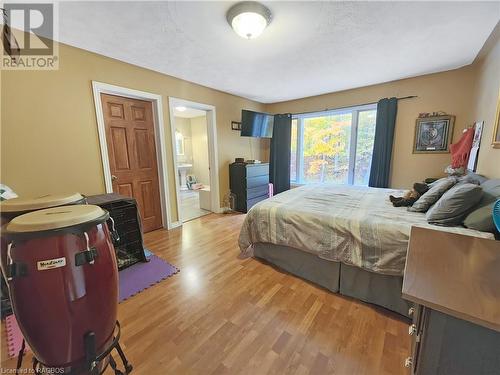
(193,137)
(193,171)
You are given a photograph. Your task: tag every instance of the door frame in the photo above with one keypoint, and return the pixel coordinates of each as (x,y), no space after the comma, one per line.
(213,156)
(99,88)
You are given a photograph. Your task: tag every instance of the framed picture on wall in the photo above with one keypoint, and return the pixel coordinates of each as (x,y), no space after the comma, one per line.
(433,134)
(496,128)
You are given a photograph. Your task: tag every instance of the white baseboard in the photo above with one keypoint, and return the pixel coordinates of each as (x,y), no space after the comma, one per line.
(175,224)
(220,210)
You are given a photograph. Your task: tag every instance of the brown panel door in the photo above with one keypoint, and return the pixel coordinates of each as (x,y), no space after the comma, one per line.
(130,138)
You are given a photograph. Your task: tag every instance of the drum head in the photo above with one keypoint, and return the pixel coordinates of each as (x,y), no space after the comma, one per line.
(38,203)
(56,218)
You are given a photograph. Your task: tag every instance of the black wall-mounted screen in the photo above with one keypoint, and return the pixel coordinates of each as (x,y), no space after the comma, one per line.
(256,124)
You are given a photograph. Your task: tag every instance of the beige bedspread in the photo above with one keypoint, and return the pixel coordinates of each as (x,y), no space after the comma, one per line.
(354,225)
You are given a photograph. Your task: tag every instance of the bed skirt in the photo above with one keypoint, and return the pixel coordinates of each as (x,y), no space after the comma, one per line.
(378,289)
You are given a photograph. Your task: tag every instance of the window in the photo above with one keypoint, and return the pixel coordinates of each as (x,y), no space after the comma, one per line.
(333,146)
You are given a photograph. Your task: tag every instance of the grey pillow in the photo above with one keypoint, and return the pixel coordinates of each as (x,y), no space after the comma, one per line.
(472,178)
(455,204)
(432,195)
(482,217)
(491,190)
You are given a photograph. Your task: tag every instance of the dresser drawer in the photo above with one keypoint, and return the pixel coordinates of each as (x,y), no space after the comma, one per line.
(254,201)
(257,170)
(258,191)
(257,181)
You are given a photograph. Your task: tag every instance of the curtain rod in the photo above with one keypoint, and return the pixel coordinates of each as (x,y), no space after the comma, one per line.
(349,106)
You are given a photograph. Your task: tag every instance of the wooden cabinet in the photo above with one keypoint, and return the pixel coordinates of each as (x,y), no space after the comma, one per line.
(250,184)
(455,282)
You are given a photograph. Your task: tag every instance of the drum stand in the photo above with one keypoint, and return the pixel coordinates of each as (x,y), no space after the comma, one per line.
(92,360)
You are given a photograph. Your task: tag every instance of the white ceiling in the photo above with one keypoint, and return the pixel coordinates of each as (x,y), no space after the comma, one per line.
(310,48)
(189,113)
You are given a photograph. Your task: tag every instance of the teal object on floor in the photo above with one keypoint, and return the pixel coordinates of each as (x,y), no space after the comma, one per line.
(147,253)
(496,214)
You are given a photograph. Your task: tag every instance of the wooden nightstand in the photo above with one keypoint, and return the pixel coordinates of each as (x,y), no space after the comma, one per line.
(454,280)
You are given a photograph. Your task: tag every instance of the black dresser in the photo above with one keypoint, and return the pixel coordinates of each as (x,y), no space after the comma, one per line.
(250,184)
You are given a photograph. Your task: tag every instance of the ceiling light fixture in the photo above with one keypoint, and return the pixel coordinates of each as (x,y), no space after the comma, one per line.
(181,108)
(249,18)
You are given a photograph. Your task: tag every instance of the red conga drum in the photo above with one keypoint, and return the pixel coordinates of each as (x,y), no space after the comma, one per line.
(11,208)
(63,282)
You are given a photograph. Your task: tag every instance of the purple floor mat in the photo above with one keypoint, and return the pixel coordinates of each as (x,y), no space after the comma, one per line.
(141,276)
(133,280)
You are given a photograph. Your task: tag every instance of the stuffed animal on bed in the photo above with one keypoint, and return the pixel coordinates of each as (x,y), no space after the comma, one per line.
(411,196)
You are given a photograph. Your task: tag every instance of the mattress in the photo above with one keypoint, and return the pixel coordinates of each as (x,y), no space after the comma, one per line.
(357,226)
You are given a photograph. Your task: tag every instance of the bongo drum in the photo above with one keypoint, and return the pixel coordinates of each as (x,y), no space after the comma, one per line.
(63,281)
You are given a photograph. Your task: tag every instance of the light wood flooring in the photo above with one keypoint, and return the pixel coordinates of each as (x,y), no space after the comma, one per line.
(225,315)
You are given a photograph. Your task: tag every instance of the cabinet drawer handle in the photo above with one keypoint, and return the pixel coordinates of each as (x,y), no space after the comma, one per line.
(411,311)
(408,362)
(412,329)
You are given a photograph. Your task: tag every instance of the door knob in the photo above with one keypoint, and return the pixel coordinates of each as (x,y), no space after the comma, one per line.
(113,177)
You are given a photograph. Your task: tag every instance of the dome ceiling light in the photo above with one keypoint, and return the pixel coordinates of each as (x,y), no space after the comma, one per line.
(249,18)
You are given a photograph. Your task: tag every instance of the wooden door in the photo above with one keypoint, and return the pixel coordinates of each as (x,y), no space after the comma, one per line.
(130,138)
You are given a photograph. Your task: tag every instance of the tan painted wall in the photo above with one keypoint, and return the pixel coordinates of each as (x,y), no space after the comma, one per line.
(199,139)
(470,93)
(449,92)
(49,139)
(486,95)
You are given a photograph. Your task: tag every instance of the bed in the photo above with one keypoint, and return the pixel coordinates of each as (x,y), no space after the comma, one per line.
(350,240)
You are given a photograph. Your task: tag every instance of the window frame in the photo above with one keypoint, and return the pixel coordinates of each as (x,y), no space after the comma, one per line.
(299,175)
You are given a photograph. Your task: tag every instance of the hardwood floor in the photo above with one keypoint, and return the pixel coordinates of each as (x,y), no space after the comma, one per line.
(225,315)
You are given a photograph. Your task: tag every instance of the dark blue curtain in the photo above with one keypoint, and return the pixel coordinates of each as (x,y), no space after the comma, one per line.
(382,148)
(279,164)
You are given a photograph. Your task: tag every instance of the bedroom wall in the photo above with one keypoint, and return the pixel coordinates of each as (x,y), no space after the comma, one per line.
(485,101)
(450,92)
(49,139)
(470,93)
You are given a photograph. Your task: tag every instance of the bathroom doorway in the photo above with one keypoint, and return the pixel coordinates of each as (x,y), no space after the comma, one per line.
(192,139)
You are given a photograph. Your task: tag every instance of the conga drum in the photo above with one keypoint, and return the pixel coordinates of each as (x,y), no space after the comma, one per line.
(63,281)
(11,208)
